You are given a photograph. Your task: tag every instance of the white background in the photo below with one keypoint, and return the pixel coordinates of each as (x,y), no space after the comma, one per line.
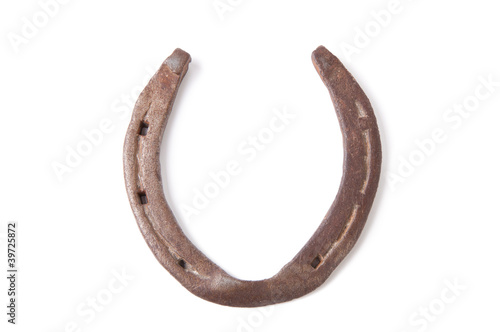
(435,227)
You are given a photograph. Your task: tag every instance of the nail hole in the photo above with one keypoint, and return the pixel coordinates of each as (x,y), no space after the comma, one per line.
(143,129)
(181,263)
(316,261)
(143,198)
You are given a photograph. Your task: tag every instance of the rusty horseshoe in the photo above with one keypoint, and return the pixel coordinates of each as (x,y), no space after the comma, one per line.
(332,241)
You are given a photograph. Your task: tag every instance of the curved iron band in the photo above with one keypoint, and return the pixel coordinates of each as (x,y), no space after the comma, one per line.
(331,242)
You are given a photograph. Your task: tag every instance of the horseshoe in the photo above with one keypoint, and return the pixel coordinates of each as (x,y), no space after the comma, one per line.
(332,241)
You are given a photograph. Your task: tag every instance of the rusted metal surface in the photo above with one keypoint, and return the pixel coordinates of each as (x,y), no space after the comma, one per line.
(332,241)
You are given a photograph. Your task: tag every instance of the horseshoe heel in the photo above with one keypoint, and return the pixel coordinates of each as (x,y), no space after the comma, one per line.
(332,241)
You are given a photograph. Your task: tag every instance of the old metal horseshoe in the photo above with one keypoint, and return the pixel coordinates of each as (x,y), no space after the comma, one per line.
(331,242)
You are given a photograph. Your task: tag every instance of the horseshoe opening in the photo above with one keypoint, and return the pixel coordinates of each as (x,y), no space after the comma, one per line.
(143,130)
(143,198)
(332,241)
(316,261)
